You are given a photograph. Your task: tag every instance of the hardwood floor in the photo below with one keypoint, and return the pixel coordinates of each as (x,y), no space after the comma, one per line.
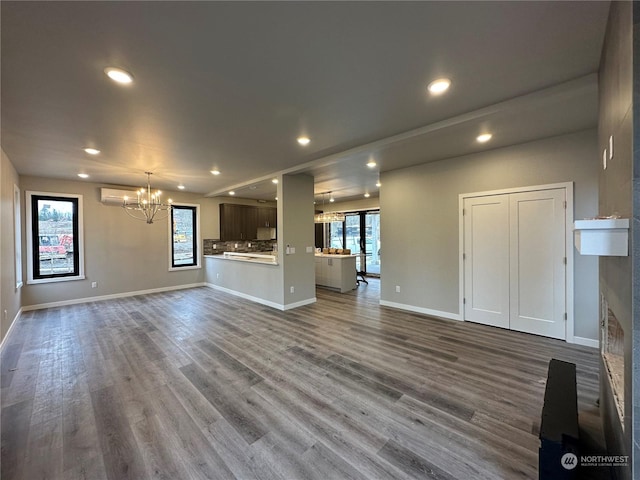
(200,384)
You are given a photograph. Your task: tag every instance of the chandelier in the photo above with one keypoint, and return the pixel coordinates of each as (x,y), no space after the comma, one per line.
(147,205)
(328,217)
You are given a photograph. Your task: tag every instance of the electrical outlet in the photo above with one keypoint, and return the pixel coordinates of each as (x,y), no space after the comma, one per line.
(215,246)
(94,284)
(292,250)
(292,289)
(309,249)
(236,245)
(397,288)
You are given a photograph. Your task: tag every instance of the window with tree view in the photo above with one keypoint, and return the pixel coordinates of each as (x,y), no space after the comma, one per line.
(184,236)
(54,237)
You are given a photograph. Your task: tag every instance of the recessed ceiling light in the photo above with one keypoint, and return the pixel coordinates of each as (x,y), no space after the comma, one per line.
(332,199)
(92,151)
(118,75)
(181,187)
(215,172)
(366,195)
(371,164)
(378,184)
(83,175)
(485,137)
(232,192)
(275,180)
(303,140)
(439,86)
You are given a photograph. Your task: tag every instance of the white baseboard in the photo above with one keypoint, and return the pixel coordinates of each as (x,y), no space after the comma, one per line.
(301,303)
(13,324)
(262,301)
(425,311)
(587,342)
(109,297)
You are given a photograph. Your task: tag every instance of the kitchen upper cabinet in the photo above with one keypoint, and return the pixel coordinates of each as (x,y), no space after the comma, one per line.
(238,222)
(267,217)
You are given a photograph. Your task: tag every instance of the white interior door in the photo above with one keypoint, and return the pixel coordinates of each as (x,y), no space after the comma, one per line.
(486,263)
(515,261)
(537,262)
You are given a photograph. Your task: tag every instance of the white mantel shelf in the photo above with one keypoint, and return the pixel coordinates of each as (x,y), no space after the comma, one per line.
(602,237)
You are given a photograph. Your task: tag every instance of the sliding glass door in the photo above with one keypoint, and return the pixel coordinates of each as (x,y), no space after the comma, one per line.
(372,243)
(360,232)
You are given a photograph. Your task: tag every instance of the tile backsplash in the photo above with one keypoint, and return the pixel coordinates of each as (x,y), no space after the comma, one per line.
(217,247)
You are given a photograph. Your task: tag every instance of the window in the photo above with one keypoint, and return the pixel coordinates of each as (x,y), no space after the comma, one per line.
(54,237)
(184,236)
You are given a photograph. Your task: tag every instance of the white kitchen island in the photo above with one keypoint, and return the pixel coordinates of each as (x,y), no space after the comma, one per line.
(336,271)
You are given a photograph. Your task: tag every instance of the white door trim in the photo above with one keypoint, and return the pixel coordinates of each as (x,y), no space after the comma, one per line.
(570,338)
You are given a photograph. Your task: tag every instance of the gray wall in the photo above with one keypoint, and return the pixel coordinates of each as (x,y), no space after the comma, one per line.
(121,254)
(10,296)
(262,283)
(419,218)
(635,232)
(296,228)
(616,119)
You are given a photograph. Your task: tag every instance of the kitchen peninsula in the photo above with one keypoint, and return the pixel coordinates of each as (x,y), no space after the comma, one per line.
(336,271)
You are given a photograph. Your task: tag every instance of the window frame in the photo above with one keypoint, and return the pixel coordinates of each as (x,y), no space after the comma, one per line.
(17,236)
(31,229)
(197,257)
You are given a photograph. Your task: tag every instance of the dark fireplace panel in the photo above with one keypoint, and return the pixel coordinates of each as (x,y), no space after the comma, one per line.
(612,348)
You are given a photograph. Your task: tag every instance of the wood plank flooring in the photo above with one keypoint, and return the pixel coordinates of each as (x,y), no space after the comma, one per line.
(198,384)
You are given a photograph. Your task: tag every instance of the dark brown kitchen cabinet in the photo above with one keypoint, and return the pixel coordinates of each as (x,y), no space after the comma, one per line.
(238,222)
(267,217)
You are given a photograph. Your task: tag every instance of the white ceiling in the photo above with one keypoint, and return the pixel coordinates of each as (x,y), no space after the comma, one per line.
(231,85)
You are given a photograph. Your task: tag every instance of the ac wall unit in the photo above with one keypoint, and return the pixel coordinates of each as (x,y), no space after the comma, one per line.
(110,196)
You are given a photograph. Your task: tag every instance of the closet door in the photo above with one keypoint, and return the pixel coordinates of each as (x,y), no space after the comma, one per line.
(537,262)
(486,260)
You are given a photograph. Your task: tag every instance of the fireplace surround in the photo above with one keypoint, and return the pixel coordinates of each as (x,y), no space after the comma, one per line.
(612,350)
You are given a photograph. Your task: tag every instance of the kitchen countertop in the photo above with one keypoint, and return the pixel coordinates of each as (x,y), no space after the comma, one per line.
(266,258)
(333,255)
